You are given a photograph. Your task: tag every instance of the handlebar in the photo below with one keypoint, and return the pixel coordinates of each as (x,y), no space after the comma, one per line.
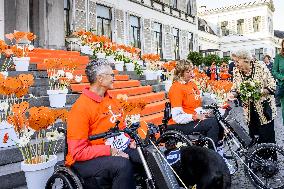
(105,135)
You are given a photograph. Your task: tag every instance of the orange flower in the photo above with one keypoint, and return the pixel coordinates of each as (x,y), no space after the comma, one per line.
(41,118)
(31,36)
(5,138)
(19,35)
(10,36)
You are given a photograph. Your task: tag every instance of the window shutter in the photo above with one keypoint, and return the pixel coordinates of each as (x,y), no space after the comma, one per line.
(181,5)
(119,18)
(193,8)
(184,44)
(147,36)
(92,15)
(262,24)
(168,53)
(154,45)
(80,14)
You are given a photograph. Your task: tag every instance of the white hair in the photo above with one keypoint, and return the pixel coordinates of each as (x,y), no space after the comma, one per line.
(95,68)
(243,54)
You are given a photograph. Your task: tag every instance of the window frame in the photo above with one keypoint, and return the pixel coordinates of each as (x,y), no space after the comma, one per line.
(132,28)
(176,43)
(104,19)
(240,27)
(259,53)
(159,49)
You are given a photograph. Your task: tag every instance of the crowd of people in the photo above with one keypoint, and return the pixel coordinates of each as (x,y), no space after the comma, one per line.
(95,109)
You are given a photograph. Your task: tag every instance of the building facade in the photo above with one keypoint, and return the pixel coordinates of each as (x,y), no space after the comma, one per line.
(245,26)
(165,27)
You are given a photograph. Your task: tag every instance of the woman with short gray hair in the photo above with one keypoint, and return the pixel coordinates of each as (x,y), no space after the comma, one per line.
(259,114)
(95,112)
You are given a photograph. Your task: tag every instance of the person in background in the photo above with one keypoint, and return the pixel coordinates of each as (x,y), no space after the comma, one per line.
(278,73)
(213,71)
(224,73)
(232,64)
(266,60)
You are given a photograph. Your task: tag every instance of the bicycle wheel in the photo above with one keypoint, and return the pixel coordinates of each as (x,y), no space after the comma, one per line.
(172,139)
(265,166)
(63,178)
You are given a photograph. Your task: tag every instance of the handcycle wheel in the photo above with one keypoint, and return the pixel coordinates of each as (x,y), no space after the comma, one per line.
(266,166)
(172,139)
(63,178)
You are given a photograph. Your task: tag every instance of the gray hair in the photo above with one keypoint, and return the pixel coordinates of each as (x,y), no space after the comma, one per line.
(95,68)
(244,54)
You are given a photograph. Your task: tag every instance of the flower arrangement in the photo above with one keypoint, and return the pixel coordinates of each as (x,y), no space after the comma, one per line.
(131,109)
(250,90)
(60,73)
(20,42)
(38,124)
(169,70)
(152,61)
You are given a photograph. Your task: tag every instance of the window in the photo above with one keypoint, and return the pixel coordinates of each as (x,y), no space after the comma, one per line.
(190,41)
(270,25)
(135,31)
(240,26)
(67,17)
(256,23)
(176,43)
(188,7)
(224,29)
(259,54)
(174,4)
(158,38)
(226,54)
(104,21)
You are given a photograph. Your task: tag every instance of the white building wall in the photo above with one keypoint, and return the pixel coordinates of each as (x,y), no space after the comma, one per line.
(2,19)
(250,40)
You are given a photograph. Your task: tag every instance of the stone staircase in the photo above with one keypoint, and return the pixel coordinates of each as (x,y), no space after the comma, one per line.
(136,87)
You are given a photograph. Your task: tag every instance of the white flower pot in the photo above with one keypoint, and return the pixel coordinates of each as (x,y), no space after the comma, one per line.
(119,65)
(130,66)
(57,98)
(21,64)
(73,43)
(168,84)
(86,50)
(110,59)
(101,55)
(150,75)
(38,174)
(8,130)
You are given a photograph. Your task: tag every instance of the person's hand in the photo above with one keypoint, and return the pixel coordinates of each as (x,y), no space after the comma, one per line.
(115,152)
(132,144)
(198,117)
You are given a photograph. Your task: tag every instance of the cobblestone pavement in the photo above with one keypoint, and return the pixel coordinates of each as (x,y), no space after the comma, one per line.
(239,181)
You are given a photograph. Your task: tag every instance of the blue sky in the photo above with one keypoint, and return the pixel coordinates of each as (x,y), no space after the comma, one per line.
(278,14)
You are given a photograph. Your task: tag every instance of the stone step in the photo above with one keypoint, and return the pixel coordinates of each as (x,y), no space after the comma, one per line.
(11,175)
(36,74)
(154,108)
(132,91)
(44,100)
(149,97)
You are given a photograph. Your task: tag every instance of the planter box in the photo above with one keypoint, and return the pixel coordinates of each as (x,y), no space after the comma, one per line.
(57,98)
(21,64)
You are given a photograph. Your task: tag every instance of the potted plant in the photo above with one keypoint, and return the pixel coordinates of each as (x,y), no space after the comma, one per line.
(60,74)
(73,42)
(5,58)
(168,74)
(119,63)
(20,46)
(38,140)
(11,90)
(152,66)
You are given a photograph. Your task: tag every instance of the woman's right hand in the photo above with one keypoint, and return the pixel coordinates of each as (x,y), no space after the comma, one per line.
(198,117)
(115,152)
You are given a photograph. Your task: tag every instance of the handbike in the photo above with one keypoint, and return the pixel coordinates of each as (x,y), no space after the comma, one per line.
(158,172)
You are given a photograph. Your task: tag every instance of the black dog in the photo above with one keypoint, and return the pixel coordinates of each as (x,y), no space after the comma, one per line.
(203,167)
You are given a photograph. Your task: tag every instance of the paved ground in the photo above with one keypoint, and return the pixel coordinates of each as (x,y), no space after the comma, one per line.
(239,179)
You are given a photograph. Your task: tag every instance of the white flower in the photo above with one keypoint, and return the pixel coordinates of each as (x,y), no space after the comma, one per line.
(249,94)
(23,141)
(4,106)
(60,73)
(28,132)
(135,118)
(31,47)
(180,144)
(252,84)
(69,75)
(54,77)
(53,136)
(78,78)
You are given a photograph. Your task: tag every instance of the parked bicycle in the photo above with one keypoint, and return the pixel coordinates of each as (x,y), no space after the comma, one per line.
(263,163)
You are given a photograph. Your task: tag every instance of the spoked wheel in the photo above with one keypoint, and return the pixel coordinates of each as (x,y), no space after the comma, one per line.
(63,178)
(266,166)
(172,139)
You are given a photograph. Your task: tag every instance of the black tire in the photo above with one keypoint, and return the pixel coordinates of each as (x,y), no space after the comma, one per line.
(264,160)
(177,136)
(63,178)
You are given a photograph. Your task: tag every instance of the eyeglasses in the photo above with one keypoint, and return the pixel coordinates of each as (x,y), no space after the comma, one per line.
(112,75)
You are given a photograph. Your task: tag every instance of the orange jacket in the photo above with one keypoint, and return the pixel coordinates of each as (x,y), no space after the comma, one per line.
(186,96)
(90,114)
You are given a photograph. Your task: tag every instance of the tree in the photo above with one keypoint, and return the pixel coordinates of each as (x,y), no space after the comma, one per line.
(211,58)
(195,57)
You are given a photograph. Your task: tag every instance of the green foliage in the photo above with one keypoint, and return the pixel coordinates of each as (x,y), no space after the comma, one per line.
(207,60)
(138,68)
(195,57)
(225,59)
